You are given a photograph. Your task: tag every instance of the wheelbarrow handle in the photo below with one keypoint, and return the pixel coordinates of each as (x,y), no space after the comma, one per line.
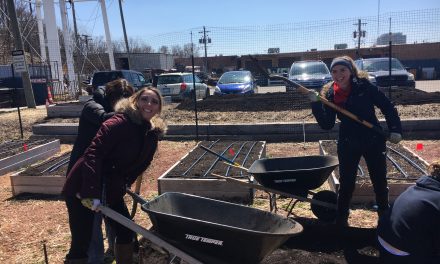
(261,187)
(147,234)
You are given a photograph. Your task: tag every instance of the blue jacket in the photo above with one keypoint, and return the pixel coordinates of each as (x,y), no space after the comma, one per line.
(414,221)
(361,102)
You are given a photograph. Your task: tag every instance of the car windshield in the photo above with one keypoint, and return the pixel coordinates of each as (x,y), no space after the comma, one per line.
(381,65)
(168,79)
(309,68)
(101,78)
(235,77)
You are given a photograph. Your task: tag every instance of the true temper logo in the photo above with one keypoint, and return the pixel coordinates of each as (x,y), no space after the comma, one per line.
(204,239)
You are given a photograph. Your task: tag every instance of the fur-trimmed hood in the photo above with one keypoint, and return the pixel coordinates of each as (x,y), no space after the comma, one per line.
(124,106)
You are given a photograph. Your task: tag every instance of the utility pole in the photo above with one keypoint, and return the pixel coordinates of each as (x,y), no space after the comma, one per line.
(125,33)
(359,33)
(86,40)
(27,86)
(205,40)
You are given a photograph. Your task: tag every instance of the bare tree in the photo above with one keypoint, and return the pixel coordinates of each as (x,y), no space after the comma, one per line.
(164,49)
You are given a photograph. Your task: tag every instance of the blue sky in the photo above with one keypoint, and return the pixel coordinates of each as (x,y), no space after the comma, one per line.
(253,26)
(146,17)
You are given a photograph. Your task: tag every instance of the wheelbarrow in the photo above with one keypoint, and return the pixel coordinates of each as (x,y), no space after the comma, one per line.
(203,230)
(293,177)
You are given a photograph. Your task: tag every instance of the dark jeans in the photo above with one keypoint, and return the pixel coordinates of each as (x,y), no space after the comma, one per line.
(81,220)
(349,154)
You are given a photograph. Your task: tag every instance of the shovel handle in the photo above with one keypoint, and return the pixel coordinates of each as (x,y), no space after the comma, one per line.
(324,100)
(137,190)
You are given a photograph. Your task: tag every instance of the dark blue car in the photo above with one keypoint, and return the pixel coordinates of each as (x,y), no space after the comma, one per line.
(236,82)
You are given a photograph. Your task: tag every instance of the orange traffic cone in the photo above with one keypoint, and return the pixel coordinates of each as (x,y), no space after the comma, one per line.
(49,95)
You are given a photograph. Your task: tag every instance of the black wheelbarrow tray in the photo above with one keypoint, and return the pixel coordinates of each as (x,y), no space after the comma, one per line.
(214,231)
(293,174)
(293,177)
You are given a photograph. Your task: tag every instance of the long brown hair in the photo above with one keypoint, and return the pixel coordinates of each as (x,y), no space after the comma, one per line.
(118,89)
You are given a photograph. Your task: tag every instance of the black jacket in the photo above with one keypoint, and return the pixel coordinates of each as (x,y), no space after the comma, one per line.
(94,113)
(361,102)
(414,222)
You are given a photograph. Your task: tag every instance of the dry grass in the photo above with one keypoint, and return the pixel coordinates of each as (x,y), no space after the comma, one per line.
(10,124)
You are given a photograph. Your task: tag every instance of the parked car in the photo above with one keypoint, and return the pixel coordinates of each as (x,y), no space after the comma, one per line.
(378,72)
(180,86)
(136,79)
(236,82)
(310,74)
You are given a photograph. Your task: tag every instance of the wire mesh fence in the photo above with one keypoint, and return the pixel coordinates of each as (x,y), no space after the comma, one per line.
(411,38)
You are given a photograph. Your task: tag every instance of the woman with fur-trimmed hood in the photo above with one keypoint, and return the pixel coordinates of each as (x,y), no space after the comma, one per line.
(121,150)
(351,90)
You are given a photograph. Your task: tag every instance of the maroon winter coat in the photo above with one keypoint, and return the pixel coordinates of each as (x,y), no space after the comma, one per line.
(121,150)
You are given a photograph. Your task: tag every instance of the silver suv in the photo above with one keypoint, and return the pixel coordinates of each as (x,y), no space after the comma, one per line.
(310,74)
(180,86)
(379,73)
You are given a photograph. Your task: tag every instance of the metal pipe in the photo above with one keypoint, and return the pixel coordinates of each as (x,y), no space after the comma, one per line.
(409,160)
(397,165)
(219,156)
(197,161)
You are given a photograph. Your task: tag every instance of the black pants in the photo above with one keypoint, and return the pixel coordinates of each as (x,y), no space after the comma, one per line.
(349,154)
(81,226)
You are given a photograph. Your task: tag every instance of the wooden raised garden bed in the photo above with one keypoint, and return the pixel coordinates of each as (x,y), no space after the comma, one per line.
(192,173)
(18,153)
(46,177)
(399,177)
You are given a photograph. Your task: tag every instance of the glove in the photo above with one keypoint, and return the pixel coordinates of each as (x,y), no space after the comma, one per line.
(313,96)
(92,204)
(395,138)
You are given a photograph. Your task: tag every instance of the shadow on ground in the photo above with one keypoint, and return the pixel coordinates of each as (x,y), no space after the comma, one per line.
(324,243)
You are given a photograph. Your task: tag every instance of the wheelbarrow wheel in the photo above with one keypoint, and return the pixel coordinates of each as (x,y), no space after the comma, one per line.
(324,213)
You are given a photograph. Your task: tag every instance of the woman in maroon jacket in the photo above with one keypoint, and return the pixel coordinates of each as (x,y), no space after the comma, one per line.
(121,150)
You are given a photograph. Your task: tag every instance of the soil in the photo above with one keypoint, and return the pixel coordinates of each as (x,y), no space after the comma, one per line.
(200,164)
(401,170)
(56,165)
(277,107)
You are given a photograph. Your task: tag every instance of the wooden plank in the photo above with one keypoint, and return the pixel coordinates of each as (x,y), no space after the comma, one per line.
(37,189)
(38,180)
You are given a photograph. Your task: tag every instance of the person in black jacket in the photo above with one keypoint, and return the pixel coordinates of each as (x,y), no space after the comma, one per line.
(352,91)
(410,233)
(95,112)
